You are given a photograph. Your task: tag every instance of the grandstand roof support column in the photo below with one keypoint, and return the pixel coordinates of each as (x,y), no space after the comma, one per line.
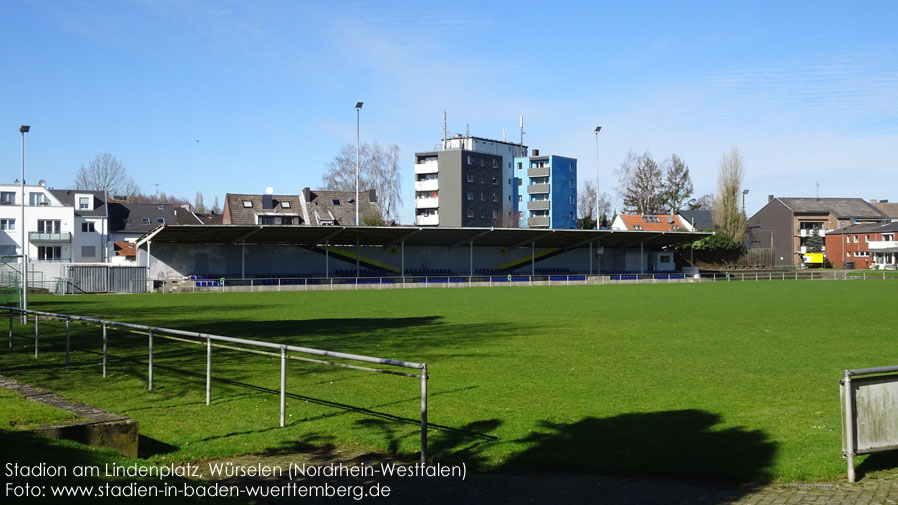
(243,260)
(402,258)
(533,258)
(641,258)
(149,257)
(590,258)
(358,257)
(327,270)
(471,260)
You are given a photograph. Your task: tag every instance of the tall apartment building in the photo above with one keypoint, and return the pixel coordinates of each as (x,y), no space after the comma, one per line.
(468,182)
(545,191)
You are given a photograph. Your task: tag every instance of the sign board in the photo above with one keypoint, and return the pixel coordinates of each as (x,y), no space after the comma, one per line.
(869,412)
(813,258)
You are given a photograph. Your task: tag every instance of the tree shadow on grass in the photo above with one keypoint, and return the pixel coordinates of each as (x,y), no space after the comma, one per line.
(679,444)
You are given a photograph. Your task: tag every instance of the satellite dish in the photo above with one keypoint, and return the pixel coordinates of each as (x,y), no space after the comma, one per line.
(269,190)
(42,183)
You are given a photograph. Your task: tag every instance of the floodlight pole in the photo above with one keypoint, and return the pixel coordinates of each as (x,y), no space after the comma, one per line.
(597,130)
(358,110)
(23,130)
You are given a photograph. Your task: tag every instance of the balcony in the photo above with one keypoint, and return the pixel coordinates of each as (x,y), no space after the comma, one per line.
(49,238)
(537,222)
(537,189)
(810,232)
(428,167)
(538,172)
(538,204)
(428,185)
(427,203)
(433,220)
(884,245)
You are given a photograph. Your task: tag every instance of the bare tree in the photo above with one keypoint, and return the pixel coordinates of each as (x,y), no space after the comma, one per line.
(640,184)
(704,202)
(216,208)
(198,205)
(106,173)
(586,206)
(725,210)
(378,170)
(677,184)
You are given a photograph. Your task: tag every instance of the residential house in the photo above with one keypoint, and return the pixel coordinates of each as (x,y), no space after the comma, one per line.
(868,245)
(700,220)
(786,224)
(129,221)
(309,208)
(889,209)
(656,261)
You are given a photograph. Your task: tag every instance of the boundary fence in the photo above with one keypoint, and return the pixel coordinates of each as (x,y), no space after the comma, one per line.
(231,284)
(234,344)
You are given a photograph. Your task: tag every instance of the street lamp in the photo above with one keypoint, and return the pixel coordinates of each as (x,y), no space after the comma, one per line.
(358,110)
(23,130)
(598,129)
(744,192)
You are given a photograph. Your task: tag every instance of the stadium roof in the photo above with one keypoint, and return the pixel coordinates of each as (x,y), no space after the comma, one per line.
(412,236)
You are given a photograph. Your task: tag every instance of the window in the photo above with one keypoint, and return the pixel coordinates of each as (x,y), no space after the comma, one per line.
(571,199)
(37,198)
(495,198)
(7,224)
(145,220)
(285,205)
(469,160)
(664,258)
(470,195)
(470,212)
(866,238)
(49,253)
(48,225)
(674,228)
(482,196)
(495,163)
(496,180)
(88,251)
(570,215)
(571,167)
(495,214)
(336,202)
(571,183)
(520,198)
(888,237)
(637,227)
(520,181)
(247,204)
(482,213)
(83,203)
(855,239)
(470,177)
(7,198)
(160,220)
(520,165)
(482,162)
(87,227)
(482,179)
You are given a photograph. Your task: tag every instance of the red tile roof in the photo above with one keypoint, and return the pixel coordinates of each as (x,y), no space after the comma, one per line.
(659,222)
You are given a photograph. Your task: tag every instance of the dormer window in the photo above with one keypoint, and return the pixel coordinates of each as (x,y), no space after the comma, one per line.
(247,204)
(336,202)
(285,205)
(84,203)
(160,220)
(637,227)
(145,220)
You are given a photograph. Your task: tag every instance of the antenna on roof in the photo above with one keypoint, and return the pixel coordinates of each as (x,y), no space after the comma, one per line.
(468,130)
(522,134)
(444,129)
(504,134)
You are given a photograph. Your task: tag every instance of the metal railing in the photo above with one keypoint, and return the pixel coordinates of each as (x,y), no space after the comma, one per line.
(222,342)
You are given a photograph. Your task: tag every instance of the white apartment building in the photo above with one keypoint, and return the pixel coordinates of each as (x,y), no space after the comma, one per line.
(61,226)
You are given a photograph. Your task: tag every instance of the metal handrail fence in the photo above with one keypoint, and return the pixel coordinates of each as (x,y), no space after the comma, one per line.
(208,339)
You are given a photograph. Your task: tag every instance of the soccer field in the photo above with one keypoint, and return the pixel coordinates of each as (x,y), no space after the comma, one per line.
(728,381)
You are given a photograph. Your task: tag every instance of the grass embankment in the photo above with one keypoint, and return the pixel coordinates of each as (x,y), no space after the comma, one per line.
(730,381)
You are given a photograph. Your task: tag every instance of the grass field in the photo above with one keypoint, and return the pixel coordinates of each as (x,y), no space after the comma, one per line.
(728,381)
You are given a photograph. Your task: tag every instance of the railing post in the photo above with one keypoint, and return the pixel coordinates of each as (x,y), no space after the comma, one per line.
(104,350)
(849,425)
(10,329)
(150,376)
(424,415)
(283,383)
(68,339)
(208,370)
(36,334)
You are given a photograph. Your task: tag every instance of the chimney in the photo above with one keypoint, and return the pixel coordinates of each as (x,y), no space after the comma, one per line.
(769,198)
(266,202)
(372,195)
(306,194)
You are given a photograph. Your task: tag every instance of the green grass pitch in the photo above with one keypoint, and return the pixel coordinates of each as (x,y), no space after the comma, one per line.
(731,381)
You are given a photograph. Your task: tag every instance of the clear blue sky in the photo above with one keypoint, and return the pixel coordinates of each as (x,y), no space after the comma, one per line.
(807,90)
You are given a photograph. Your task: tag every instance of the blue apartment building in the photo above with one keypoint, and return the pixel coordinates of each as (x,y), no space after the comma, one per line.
(545,191)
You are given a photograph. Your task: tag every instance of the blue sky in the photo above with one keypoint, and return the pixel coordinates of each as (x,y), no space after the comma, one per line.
(808,91)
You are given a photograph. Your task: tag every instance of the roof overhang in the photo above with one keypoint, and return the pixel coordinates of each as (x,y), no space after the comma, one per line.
(412,236)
